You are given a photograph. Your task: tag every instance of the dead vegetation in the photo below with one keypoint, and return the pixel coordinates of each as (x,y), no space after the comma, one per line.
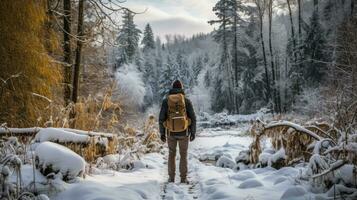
(328,152)
(297,140)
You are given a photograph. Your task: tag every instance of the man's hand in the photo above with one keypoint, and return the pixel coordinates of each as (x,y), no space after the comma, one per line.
(163,138)
(192,137)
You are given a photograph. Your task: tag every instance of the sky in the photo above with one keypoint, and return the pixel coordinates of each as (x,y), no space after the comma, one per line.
(184,17)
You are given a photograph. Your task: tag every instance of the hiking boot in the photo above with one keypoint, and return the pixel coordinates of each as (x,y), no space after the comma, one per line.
(185,181)
(171,180)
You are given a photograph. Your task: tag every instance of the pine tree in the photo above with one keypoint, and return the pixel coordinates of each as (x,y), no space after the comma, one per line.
(167,77)
(228,19)
(314,52)
(128,40)
(148,39)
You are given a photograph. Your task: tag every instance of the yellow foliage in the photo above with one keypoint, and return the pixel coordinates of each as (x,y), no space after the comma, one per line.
(27,73)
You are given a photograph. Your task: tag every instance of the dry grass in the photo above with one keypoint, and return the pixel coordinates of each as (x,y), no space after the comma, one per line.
(295,142)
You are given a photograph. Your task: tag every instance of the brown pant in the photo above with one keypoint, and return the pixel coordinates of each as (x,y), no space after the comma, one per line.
(183,146)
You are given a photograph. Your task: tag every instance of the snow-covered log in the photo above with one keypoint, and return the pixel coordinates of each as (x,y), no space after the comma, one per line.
(89,133)
(5,132)
(60,136)
(55,158)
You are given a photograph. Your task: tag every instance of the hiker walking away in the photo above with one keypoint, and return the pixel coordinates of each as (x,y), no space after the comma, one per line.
(177,123)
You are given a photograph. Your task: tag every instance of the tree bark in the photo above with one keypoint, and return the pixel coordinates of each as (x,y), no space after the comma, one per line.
(352,7)
(67,50)
(292,32)
(267,82)
(235,64)
(270,13)
(299,19)
(77,63)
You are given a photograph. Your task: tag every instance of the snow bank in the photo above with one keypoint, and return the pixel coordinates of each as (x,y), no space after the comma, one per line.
(223,119)
(250,183)
(225,162)
(96,190)
(244,175)
(52,157)
(267,158)
(296,192)
(243,157)
(58,135)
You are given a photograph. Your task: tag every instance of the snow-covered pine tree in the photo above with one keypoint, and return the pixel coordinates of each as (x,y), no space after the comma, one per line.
(197,67)
(225,11)
(252,73)
(314,53)
(148,39)
(128,40)
(167,76)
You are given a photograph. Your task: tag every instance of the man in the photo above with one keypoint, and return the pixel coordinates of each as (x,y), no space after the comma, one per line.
(177,123)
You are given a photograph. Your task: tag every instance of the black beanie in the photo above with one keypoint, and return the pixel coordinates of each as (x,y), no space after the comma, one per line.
(177,84)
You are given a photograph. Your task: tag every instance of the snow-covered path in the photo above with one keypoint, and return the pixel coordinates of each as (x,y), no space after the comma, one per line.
(207,180)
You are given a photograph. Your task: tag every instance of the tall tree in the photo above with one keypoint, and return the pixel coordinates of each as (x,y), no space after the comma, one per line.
(167,76)
(128,40)
(226,11)
(67,51)
(261,8)
(77,64)
(276,106)
(314,46)
(148,39)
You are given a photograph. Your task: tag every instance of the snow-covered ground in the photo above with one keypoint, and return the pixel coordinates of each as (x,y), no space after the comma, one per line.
(207,181)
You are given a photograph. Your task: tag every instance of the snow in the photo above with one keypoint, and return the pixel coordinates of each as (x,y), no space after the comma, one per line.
(58,135)
(142,183)
(29,131)
(209,181)
(225,162)
(278,155)
(130,85)
(223,119)
(90,133)
(264,158)
(295,126)
(213,172)
(243,175)
(296,192)
(346,174)
(250,183)
(59,159)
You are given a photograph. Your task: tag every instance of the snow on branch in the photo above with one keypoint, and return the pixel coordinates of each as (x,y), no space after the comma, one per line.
(294,126)
(338,164)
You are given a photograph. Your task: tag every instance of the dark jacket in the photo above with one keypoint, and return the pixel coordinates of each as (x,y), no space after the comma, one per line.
(189,110)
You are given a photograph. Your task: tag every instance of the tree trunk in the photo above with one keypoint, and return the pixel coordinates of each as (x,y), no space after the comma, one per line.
(286,86)
(352,7)
(235,64)
(292,32)
(267,82)
(77,63)
(67,50)
(270,13)
(299,19)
